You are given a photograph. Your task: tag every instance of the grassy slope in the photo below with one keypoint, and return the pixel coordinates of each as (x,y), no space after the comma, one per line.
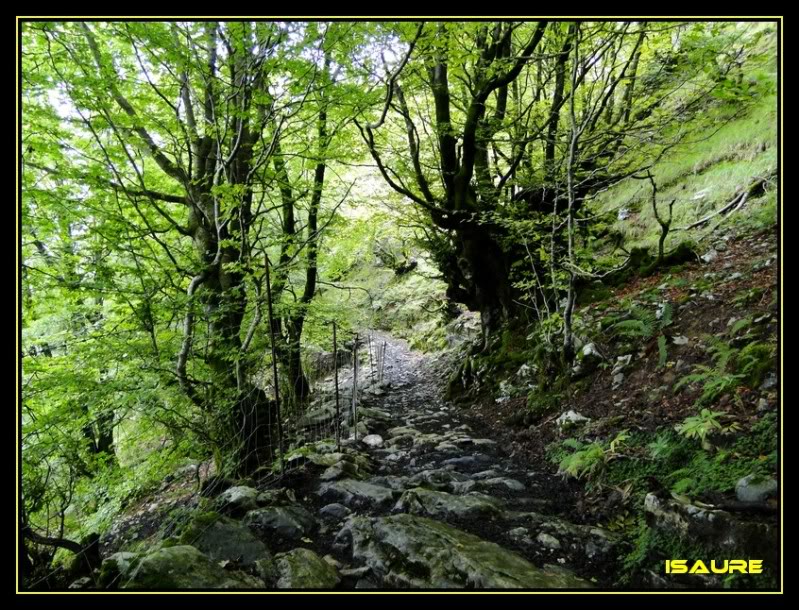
(704,173)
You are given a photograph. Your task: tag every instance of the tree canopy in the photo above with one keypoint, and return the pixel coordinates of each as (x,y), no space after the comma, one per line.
(168,167)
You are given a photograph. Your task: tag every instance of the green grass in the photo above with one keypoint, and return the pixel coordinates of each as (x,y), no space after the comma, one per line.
(718,162)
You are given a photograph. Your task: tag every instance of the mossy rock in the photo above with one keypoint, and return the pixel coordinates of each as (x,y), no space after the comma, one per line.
(409,551)
(224,539)
(286,522)
(303,569)
(443,505)
(173,568)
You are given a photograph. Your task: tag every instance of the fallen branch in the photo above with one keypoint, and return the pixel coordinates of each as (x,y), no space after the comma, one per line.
(698,223)
(736,204)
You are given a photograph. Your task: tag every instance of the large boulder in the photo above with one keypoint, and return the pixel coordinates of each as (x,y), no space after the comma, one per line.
(237,500)
(409,551)
(172,568)
(224,539)
(287,522)
(304,569)
(356,494)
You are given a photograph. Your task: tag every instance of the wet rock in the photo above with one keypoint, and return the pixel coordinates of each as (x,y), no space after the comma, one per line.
(520,535)
(287,522)
(396,483)
(377,416)
(679,340)
(356,494)
(303,569)
(224,539)
(440,504)
(507,483)
(754,488)
(342,470)
(334,457)
(577,542)
(408,551)
(174,567)
(442,479)
(334,511)
(361,429)
(319,416)
(349,464)
(446,447)
(237,500)
(466,462)
(403,431)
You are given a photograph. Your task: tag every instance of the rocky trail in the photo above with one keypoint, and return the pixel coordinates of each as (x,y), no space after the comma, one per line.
(422,501)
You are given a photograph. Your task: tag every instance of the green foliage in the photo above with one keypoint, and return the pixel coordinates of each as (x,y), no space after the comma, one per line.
(585,461)
(159,156)
(754,361)
(701,425)
(588,460)
(662,353)
(732,367)
(643,323)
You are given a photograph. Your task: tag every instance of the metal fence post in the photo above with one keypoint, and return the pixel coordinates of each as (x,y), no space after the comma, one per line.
(274,363)
(335,373)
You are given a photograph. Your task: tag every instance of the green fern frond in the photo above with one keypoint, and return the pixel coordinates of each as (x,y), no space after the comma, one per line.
(667,315)
(662,353)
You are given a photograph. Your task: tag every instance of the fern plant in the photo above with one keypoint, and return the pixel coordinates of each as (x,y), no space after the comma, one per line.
(700,425)
(731,368)
(588,460)
(644,325)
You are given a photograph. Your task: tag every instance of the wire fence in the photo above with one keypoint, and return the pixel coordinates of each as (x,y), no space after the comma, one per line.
(272,443)
(340,376)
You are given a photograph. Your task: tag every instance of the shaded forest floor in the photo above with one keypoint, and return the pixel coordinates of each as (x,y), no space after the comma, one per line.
(482,470)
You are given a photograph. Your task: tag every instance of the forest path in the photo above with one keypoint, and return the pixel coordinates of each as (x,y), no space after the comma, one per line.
(438,505)
(420,499)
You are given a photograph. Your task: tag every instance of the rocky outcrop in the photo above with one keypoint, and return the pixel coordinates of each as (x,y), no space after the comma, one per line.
(171,568)
(410,551)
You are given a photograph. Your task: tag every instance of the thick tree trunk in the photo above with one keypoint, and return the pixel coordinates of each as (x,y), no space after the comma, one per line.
(297,378)
(477,274)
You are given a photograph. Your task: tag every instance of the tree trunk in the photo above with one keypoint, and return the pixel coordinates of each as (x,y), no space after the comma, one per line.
(297,379)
